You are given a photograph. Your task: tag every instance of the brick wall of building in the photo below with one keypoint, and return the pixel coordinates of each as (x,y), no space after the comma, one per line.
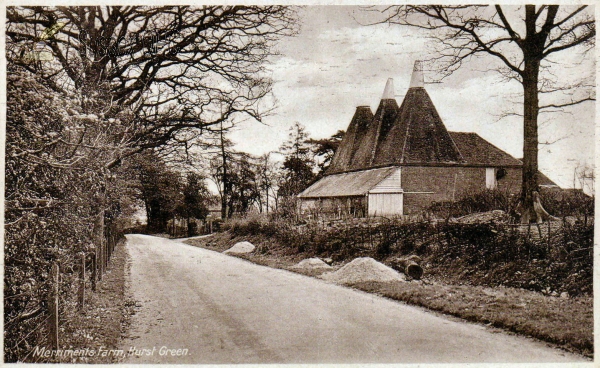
(511,182)
(448,183)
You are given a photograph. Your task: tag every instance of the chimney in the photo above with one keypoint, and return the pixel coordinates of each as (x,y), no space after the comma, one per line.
(388,92)
(416,81)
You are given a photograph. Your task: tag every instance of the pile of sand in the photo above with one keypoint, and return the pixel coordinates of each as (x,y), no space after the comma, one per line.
(241,248)
(363,269)
(497,216)
(311,263)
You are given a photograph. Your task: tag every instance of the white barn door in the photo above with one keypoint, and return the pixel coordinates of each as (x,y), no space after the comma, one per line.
(385,204)
(386,198)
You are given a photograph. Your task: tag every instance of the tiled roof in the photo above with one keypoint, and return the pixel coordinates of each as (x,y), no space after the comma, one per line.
(382,121)
(544,180)
(417,135)
(477,151)
(342,161)
(347,184)
(412,133)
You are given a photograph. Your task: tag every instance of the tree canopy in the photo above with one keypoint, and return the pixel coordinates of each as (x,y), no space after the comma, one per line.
(176,71)
(522,43)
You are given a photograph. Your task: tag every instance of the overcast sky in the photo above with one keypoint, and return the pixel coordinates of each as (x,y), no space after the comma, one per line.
(336,64)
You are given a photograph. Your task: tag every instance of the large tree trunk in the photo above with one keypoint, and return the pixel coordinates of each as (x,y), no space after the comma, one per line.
(530,140)
(531,51)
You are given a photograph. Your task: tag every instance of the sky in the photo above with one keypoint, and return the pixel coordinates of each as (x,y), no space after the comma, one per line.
(337,62)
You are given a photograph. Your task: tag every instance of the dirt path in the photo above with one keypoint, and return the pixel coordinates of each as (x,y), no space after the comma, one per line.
(220,309)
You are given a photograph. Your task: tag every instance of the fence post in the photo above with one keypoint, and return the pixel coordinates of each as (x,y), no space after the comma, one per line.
(94,269)
(100,261)
(110,242)
(82,282)
(113,242)
(53,307)
(99,240)
(103,249)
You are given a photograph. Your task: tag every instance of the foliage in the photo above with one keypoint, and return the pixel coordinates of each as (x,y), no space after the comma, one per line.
(477,254)
(167,193)
(240,181)
(324,150)
(160,190)
(487,200)
(298,163)
(559,203)
(196,198)
(56,186)
(266,171)
(297,169)
(568,202)
(177,69)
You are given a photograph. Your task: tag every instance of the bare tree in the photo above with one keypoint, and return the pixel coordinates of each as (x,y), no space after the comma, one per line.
(524,42)
(176,71)
(267,179)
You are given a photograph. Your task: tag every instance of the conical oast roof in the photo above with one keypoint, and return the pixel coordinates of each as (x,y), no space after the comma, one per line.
(418,135)
(342,160)
(417,80)
(382,122)
(410,134)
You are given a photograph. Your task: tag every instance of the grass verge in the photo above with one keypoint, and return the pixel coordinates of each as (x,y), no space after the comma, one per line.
(98,327)
(564,322)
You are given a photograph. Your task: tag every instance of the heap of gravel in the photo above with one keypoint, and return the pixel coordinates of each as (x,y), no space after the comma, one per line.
(241,248)
(311,263)
(362,270)
(497,216)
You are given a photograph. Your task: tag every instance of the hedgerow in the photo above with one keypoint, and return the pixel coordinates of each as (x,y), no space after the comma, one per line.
(479,254)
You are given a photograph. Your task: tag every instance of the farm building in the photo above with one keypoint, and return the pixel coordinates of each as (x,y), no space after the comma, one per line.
(402,158)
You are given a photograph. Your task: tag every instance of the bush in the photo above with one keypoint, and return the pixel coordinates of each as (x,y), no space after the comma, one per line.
(493,255)
(559,203)
(56,185)
(487,200)
(562,203)
(478,254)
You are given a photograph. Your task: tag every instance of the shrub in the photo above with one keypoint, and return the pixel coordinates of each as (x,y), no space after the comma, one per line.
(562,203)
(559,203)
(487,200)
(489,254)
(479,254)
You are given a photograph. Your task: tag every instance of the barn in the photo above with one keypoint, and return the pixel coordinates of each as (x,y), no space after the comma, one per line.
(402,158)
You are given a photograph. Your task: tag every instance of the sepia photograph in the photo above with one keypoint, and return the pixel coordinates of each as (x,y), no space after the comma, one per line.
(286,184)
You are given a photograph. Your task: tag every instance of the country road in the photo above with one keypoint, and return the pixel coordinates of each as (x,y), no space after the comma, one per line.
(221,309)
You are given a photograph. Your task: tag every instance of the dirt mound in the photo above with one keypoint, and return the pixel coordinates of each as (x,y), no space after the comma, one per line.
(497,216)
(311,263)
(361,270)
(241,248)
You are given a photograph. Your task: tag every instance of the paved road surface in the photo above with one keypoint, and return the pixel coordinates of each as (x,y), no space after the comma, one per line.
(226,310)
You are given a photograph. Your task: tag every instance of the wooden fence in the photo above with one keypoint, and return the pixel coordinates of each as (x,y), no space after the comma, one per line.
(89,269)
